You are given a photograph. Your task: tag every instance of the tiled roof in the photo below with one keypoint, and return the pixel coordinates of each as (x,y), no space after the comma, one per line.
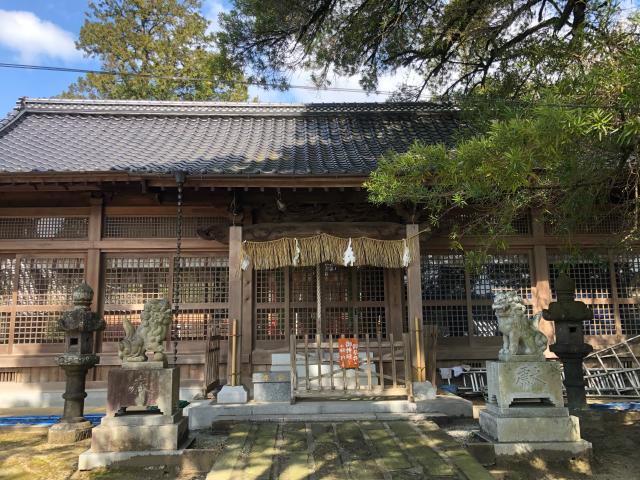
(57,135)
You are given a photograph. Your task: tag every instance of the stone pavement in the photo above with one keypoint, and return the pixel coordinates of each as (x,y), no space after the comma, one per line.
(363,450)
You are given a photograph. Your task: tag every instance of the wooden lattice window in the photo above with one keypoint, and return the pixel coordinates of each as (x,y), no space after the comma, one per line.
(204,280)
(627,272)
(607,221)
(113,331)
(35,291)
(520,226)
(270,304)
(156,226)
(38,327)
(592,275)
(191,324)
(48,281)
(7,277)
(354,300)
(303,312)
(5,322)
(131,280)
(458,300)
(41,228)
(286,301)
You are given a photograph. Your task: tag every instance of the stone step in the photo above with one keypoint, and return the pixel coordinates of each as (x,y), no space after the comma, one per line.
(203,414)
(335,417)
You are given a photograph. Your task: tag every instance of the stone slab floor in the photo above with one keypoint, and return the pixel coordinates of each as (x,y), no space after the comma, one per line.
(343,450)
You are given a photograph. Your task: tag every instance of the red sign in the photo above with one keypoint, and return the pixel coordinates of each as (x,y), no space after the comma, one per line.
(348,352)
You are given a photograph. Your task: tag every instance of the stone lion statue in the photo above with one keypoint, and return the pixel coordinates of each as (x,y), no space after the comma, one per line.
(520,333)
(150,335)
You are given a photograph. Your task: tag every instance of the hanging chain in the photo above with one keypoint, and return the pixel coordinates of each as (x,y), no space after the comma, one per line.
(177,269)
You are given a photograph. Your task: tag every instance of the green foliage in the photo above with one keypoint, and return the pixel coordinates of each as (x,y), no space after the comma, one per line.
(452,45)
(155,46)
(570,153)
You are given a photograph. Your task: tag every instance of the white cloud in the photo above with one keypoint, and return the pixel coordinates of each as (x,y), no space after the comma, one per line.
(211,9)
(33,38)
(387,83)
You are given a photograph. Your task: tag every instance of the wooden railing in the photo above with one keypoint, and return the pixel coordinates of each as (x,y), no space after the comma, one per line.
(384,368)
(211,360)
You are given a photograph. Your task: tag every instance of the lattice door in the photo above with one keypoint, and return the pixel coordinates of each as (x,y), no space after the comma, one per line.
(353,301)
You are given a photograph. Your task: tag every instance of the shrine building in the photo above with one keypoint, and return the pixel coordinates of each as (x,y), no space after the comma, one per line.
(249,212)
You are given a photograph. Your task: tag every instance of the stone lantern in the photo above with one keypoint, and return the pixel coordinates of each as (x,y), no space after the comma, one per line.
(80,326)
(568,316)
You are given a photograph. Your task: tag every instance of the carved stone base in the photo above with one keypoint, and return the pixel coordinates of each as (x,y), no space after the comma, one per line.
(65,433)
(513,381)
(138,388)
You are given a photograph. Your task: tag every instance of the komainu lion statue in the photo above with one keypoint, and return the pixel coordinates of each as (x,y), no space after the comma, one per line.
(520,333)
(150,335)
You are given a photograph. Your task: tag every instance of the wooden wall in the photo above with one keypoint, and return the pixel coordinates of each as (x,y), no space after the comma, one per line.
(134,221)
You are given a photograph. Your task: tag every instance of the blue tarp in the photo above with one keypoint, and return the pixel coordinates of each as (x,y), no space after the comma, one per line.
(618,406)
(42,420)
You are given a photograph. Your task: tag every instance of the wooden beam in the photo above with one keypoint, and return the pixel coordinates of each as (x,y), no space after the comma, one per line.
(112,245)
(270,231)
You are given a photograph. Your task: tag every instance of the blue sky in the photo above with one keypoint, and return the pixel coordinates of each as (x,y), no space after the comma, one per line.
(43,32)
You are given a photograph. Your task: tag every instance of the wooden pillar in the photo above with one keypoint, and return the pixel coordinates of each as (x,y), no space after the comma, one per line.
(414,303)
(236,293)
(93,268)
(542,288)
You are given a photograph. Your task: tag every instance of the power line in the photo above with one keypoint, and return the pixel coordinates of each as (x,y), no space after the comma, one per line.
(478,101)
(189,79)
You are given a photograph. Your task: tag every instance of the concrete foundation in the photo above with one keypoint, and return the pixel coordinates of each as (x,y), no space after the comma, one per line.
(178,458)
(203,414)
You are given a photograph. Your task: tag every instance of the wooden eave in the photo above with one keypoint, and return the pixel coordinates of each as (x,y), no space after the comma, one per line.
(43,181)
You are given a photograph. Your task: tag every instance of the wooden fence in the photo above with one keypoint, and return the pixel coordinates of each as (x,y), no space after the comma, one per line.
(211,360)
(384,368)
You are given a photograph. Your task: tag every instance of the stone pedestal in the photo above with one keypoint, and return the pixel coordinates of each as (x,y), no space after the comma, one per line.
(272,386)
(232,394)
(140,432)
(62,432)
(517,380)
(526,411)
(423,391)
(142,415)
(136,386)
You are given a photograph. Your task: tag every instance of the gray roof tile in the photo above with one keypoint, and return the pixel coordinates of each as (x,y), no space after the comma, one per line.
(57,135)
